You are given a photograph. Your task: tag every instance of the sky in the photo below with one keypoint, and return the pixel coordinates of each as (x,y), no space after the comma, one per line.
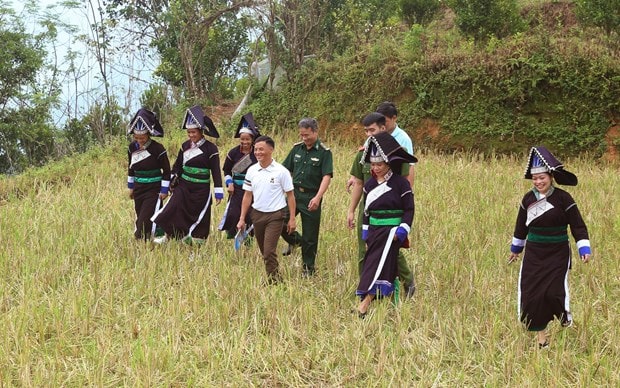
(129,73)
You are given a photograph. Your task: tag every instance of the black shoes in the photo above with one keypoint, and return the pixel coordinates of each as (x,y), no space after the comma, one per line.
(409,291)
(307,273)
(567,319)
(288,250)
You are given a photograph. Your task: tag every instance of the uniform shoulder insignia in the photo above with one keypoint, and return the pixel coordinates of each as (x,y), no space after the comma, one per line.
(298,143)
(326,148)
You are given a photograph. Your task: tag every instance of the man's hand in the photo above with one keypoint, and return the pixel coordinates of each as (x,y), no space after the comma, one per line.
(314,203)
(350,183)
(291,226)
(351,220)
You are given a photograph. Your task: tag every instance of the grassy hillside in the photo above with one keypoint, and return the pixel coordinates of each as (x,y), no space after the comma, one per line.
(82,303)
(556,82)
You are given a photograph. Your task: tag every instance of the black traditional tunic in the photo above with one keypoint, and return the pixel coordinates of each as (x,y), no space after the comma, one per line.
(387,206)
(188,212)
(148,175)
(235,167)
(543,280)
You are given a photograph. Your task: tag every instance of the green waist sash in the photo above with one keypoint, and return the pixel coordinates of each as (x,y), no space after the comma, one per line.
(385,217)
(196,174)
(390,221)
(550,234)
(148,176)
(238,179)
(148,179)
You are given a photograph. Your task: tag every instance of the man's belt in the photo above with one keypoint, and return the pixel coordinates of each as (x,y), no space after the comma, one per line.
(305,190)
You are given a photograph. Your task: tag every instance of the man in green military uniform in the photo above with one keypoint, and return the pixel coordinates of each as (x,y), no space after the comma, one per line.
(312,167)
(360,172)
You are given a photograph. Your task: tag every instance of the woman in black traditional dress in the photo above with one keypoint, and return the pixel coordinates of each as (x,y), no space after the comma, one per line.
(187,214)
(148,175)
(237,162)
(542,222)
(388,215)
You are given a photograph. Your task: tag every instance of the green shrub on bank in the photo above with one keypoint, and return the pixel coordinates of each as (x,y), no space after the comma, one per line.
(482,19)
(600,13)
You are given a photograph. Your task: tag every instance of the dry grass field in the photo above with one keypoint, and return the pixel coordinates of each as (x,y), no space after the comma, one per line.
(82,303)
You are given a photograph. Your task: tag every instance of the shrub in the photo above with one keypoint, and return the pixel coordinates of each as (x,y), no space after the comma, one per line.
(418,11)
(481,19)
(600,13)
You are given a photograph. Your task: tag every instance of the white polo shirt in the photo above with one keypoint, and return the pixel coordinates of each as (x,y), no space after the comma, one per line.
(268,185)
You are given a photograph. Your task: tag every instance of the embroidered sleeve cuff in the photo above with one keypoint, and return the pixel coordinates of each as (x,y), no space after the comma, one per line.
(517,245)
(406,227)
(130,181)
(219,193)
(228,180)
(583,246)
(584,251)
(516,249)
(401,233)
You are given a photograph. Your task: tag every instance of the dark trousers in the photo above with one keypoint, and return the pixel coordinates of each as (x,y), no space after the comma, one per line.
(310,225)
(267,229)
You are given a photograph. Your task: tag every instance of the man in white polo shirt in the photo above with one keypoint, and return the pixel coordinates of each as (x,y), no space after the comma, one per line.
(269,190)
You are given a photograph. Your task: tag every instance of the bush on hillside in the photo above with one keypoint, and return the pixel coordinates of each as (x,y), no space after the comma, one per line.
(418,11)
(482,19)
(600,13)
(535,89)
(556,87)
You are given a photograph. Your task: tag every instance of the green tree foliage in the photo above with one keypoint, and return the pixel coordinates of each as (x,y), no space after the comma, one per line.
(600,13)
(482,19)
(350,24)
(26,137)
(100,125)
(198,41)
(418,11)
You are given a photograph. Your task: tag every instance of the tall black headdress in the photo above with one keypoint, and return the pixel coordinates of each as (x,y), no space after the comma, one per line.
(541,159)
(143,122)
(247,125)
(382,147)
(196,119)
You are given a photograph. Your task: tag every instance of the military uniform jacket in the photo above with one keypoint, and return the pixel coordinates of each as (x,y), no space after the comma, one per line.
(309,166)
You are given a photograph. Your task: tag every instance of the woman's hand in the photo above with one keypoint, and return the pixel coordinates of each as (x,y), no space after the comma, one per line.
(585,258)
(130,193)
(513,257)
